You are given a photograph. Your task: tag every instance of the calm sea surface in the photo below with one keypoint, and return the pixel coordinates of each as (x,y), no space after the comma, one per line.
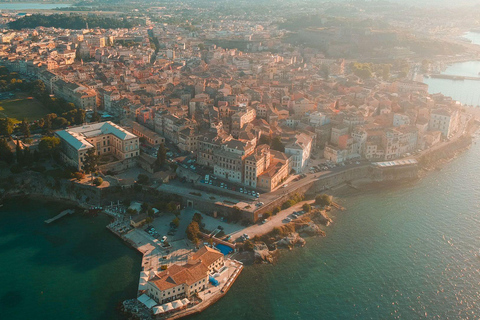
(403,252)
(72,269)
(36,6)
(466,91)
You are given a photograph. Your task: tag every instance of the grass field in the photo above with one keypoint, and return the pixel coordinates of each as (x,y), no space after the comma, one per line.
(21,107)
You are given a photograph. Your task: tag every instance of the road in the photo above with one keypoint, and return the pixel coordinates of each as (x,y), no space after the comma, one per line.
(274,221)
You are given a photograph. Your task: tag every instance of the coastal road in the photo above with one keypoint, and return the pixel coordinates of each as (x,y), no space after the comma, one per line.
(274,221)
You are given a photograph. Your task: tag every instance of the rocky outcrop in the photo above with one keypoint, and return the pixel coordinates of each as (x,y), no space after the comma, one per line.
(263,254)
(311,229)
(290,241)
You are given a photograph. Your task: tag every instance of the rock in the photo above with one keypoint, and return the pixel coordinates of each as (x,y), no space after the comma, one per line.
(291,240)
(311,229)
(262,254)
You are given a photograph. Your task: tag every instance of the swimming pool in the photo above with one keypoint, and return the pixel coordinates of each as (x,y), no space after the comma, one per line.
(224,249)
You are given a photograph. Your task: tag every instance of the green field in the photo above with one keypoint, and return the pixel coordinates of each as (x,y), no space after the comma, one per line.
(20,108)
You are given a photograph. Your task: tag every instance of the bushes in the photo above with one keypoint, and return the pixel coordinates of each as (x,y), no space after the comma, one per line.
(248,245)
(78,175)
(142,178)
(98,181)
(323,200)
(287,204)
(306,207)
(276,210)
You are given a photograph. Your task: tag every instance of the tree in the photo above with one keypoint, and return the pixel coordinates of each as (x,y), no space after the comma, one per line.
(161,155)
(197,217)
(91,161)
(48,145)
(25,127)
(96,117)
(5,152)
(176,222)
(277,144)
(323,200)
(306,207)
(192,231)
(98,181)
(6,126)
(18,153)
(248,245)
(142,178)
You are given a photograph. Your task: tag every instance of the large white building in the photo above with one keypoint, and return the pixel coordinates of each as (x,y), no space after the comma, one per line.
(444,120)
(299,148)
(105,137)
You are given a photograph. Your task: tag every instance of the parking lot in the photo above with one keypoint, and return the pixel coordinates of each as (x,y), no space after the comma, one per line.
(214,181)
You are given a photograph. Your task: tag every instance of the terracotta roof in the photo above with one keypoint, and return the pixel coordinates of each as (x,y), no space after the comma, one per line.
(177,275)
(207,255)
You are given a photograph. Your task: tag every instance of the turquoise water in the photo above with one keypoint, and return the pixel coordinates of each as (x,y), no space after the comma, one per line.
(403,252)
(36,6)
(72,269)
(466,91)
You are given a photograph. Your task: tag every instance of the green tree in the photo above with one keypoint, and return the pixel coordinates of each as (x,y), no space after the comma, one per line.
(161,155)
(98,181)
(277,144)
(142,178)
(176,222)
(96,117)
(48,145)
(25,127)
(323,200)
(6,126)
(91,161)
(306,207)
(6,153)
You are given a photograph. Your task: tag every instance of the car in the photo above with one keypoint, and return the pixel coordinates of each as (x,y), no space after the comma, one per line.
(258,204)
(220,227)
(164,238)
(285,185)
(257,195)
(288,219)
(241,190)
(210,182)
(264,221)
(228,238)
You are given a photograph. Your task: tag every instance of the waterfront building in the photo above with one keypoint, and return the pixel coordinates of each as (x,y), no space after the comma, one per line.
(180,281)
(444,120)
(106,138)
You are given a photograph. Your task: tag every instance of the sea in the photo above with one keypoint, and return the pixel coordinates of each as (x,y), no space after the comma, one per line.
(73,268)
(465,91)
(405,251)
(32,6)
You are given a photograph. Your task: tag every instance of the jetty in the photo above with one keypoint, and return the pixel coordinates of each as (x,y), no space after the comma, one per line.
(339,207)
(60,215)
(452,77)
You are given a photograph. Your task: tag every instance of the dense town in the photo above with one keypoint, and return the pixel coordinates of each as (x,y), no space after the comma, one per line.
(231,130)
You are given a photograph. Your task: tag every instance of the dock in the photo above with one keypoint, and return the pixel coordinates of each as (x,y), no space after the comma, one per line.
(60,215)
(339,207)
(455,78)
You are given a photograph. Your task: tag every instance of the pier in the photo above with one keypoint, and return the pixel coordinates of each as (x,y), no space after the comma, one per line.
(60,215)
(452,77)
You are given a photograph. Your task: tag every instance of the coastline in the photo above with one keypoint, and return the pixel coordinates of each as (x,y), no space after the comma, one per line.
(342,188)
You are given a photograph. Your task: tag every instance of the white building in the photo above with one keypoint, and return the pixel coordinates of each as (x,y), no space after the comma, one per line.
(444,120)
(105,137)
(300,149)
